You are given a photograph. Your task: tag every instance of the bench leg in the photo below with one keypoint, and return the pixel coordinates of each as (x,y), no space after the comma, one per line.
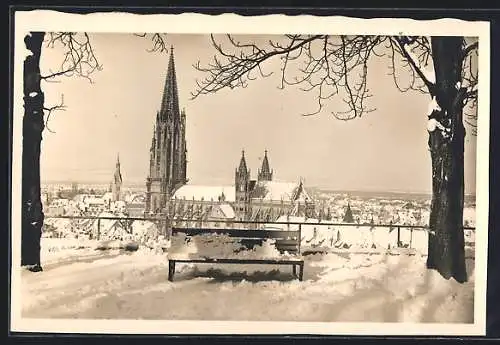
(294,270)
(171,270)
(301,271)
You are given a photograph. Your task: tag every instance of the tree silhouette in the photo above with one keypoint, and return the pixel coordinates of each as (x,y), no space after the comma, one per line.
(78,60)
(445,68)
(348,217)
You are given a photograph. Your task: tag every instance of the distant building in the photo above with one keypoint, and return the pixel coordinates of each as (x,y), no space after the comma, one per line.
(54,210)
(135,205)
(108,196)
(74,188)
(117,181)
(90,203)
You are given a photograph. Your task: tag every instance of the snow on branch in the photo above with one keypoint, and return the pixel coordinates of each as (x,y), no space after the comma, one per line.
(433,106)
(417,52)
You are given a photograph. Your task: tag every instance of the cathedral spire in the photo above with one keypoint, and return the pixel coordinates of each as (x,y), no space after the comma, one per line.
(117,181)
(265,173)
(118,174)
(243,163)
(170,98)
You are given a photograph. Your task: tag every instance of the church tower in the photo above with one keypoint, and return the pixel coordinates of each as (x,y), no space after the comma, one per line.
(241,184)
(265,174)
(117,181)
(167,165)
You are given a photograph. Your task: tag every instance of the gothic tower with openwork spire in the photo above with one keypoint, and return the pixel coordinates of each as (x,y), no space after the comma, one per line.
(265,173)
(167,165)
(117,181)
(241,185)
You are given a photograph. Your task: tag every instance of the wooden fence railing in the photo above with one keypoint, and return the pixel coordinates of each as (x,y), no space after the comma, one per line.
(165,224)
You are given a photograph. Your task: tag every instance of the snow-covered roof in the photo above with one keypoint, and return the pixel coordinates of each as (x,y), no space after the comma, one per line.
(119,203)
(292,219)
(135,198)
(60,202)
(206,193)
(276,190)
(227,210)
(108,195)
(94,200)
(131,205)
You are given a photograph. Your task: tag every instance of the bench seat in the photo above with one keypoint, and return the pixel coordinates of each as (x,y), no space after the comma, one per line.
(290,261)
(229,246)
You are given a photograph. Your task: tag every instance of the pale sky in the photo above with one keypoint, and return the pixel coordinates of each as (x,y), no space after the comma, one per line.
(384,150)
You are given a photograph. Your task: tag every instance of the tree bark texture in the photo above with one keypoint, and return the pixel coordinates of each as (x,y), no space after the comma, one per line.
(446,239)
(33,125)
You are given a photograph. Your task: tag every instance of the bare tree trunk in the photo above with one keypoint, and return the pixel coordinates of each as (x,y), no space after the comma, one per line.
(33,125)
(446,240)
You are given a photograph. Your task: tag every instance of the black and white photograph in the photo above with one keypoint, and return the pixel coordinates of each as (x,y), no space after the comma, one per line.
(198,174)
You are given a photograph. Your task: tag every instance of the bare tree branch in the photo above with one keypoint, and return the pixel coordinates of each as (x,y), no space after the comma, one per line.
(469,84)
(470,48)
(235,69)
(415,64)
(159,42)
(48,112)
(326,65)
(79,58)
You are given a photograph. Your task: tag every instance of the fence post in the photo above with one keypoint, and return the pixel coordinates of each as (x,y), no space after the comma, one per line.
(411,236)
(399,236)
(98,229)
(300,236)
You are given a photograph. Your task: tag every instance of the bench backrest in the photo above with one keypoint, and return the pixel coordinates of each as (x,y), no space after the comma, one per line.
(285,240)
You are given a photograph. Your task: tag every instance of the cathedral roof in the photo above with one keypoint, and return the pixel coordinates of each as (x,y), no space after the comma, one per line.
(276,191)
(207,193)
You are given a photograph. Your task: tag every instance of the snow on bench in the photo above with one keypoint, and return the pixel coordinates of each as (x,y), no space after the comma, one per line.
(235,246)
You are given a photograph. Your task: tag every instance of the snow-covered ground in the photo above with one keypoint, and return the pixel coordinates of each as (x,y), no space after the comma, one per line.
(342,286)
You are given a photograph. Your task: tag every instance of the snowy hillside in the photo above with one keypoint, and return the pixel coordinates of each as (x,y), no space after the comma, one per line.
(337,287)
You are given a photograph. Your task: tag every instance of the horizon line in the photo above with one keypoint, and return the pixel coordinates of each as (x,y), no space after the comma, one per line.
(319,187)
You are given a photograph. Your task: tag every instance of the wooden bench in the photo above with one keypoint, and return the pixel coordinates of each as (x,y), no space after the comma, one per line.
(285,241)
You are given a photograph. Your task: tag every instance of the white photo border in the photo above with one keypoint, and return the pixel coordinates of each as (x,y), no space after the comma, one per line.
(189,23)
